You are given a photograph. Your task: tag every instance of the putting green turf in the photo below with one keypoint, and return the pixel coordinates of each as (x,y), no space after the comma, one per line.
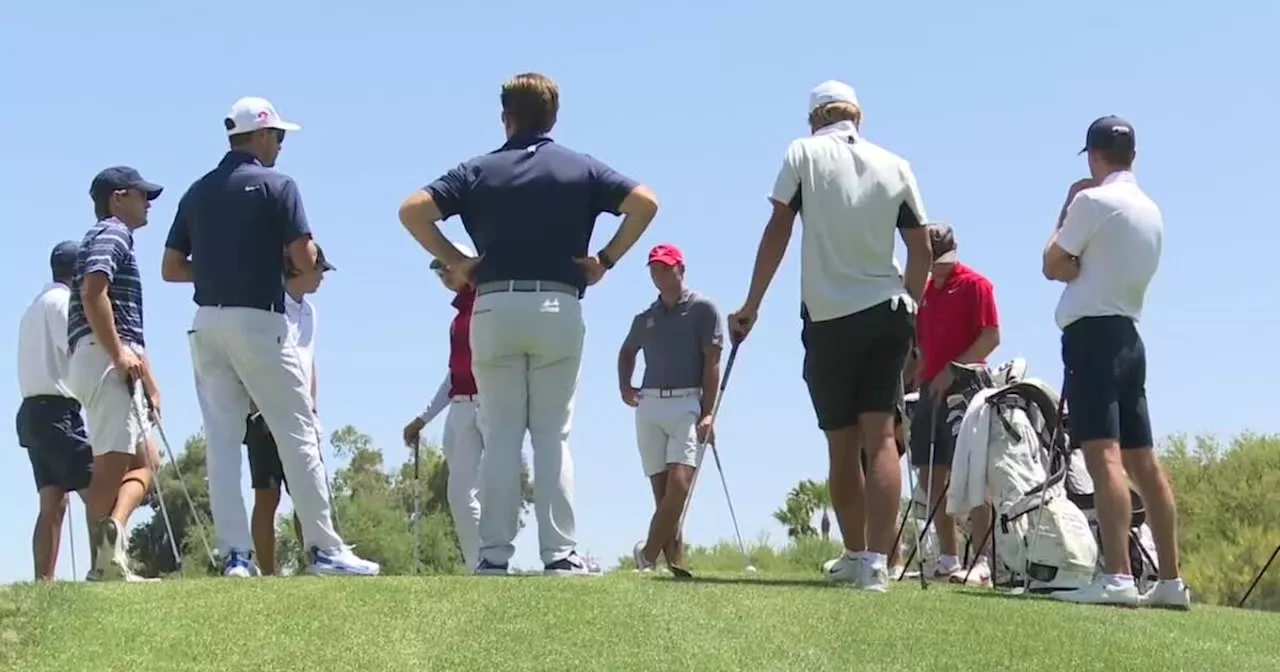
(618,622)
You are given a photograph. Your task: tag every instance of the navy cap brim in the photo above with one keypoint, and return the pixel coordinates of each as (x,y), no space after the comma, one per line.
(326,266)
(152,189)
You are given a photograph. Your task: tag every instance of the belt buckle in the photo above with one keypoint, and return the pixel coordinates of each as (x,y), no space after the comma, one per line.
(666,394)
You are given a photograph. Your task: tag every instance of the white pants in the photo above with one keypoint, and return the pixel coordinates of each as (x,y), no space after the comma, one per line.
(115,413)
(463,446)
(526,350)
(244,355)
(666,429)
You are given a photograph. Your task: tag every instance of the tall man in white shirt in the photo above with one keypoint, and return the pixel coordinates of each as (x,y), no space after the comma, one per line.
(463,441)
(266,473)
(858,318)
(49,423)
(1106,248)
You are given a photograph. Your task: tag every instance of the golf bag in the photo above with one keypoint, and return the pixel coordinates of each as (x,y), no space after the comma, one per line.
(1011,435)
(1142,549)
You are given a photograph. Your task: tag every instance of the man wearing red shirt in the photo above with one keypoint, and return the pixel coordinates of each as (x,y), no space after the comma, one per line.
(957,322)
(463,443)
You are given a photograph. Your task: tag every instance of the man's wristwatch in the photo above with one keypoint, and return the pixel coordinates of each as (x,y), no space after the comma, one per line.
(605,260)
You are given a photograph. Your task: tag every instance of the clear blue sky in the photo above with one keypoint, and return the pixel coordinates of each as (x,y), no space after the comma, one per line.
(989,101)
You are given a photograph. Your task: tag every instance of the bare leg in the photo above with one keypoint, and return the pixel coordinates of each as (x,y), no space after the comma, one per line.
(1115,509)
(265,502)
(883,480)
(664,528)
(980,525)
(108,471)
(47,536)
(1149,477)
(847,483)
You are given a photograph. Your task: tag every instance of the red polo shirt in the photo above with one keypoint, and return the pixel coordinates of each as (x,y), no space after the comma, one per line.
(461,381)
(951,317)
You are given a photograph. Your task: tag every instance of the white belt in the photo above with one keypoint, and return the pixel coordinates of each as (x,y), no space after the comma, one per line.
(459,398)
(657,393)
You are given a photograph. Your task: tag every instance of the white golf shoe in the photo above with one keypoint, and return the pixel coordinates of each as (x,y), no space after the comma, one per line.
(848,568)
(341,562)
(1167,595)
(1101,592)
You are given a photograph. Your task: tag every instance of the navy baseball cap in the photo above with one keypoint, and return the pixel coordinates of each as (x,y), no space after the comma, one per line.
(63,257)
(1109,132)
(123,177)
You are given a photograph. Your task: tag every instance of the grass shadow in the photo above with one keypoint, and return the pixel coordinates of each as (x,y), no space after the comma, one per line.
(749,581)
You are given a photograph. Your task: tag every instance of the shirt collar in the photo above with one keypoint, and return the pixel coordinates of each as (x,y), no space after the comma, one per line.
(464,298)
(524,141)
(844,126)
(684,298)
(294,305)
(54,284)
(1120,176)
(114,223)
(237,157)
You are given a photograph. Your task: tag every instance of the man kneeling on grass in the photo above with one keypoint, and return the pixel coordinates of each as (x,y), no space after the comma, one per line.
(265,470)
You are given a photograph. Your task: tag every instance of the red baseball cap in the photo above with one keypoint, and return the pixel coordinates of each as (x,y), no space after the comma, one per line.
(668,255)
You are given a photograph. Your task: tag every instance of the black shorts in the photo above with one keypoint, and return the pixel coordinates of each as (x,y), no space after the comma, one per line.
(950,413)
(853,364)
(52,430)
(1105,381)
(265,470)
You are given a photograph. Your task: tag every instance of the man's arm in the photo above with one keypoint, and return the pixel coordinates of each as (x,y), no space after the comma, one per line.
(1061,257)
(314,405)
(100,266)
(438,403)
(989,321)
(911,219)
(617,194)
(711,338)
(175,265)
(786,202)
(149,382)
(627,355)
(442,199)
(291,221)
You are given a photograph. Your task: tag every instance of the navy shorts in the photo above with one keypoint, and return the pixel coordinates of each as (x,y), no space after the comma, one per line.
(52,430)
(1105,373)
(265,470)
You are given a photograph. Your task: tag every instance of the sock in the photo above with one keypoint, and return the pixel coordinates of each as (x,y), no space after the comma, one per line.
(875,559)
(854,555)
(1119,580)
(948,562)
(1177,583)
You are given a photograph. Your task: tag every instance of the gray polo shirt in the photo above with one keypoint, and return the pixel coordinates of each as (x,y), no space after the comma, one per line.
(673,340)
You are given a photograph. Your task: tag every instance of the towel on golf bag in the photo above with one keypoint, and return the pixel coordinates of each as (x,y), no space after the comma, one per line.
(969,461)
(1018,423)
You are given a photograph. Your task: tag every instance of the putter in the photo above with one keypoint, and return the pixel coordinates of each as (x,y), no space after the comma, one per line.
(928,490)
(1258,578)
(71,540)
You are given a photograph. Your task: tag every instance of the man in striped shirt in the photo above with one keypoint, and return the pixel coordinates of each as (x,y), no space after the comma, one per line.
(108,370)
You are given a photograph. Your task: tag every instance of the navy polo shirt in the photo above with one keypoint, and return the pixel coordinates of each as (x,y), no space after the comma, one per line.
(234,223)
(530,208)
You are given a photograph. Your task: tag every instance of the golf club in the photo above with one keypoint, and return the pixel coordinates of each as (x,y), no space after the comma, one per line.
(71,539)
(155,476)
(928,488)
(1261,574)
(201,529)
(417,509)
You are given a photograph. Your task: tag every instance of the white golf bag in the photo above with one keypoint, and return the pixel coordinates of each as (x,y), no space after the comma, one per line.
(1010,443)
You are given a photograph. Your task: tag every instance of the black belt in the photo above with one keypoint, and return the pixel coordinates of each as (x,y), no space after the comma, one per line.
(270,307)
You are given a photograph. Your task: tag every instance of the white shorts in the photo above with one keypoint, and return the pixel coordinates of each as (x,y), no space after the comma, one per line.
(666,430)
(109,405)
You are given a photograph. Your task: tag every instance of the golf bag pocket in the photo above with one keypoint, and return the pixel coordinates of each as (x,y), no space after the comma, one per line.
(1060,555)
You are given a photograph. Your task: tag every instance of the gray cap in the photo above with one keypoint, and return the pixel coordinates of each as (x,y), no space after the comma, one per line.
(943,240)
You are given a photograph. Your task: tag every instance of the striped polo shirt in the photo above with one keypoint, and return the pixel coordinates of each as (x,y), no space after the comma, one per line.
(108,248)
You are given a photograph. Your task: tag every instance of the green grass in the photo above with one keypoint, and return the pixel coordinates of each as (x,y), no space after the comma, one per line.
(619,622)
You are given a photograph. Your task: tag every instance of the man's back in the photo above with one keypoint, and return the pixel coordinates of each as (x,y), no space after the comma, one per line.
(42,343)
(234,218)
(530,207)
(852,193)
(1122,231)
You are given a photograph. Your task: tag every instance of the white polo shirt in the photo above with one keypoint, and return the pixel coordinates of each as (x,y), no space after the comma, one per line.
(1117,232)
(301,316)
(850,192)
(42,343)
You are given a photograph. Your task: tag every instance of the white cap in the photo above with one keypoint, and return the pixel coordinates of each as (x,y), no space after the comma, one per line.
(831,91)
(252,113)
